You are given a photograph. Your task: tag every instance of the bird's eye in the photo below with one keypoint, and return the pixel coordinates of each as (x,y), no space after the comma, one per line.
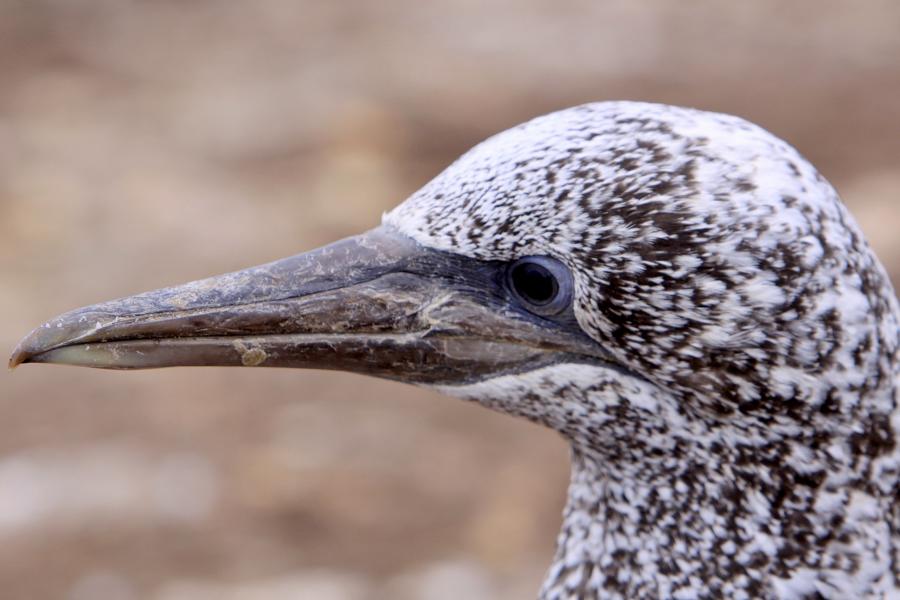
(542,284)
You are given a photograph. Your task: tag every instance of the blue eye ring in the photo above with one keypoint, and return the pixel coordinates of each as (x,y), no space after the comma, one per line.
(543,285)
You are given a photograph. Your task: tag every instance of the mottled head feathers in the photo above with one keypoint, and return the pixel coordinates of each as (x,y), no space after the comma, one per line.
(708,254)
(713,262)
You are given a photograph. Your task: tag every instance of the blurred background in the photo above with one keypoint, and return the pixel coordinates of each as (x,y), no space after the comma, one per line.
(143,144)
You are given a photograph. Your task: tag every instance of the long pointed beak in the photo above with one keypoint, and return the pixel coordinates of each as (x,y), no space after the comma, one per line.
(379,304)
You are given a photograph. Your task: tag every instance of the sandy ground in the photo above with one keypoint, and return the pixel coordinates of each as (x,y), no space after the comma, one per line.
(147,143)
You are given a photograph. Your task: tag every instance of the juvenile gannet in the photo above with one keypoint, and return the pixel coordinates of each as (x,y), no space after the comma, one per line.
(678,293)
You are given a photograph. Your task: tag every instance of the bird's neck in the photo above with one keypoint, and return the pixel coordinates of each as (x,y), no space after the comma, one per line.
(667,504)
(624,536)
(702,526)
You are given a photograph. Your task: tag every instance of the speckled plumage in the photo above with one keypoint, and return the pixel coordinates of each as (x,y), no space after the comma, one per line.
(747,447)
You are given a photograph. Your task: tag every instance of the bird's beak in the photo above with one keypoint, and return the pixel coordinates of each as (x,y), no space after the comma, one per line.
(379,304)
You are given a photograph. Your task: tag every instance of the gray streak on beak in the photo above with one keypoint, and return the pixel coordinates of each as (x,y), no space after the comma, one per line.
(378,304)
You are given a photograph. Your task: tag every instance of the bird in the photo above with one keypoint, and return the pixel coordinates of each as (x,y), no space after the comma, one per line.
(678,293)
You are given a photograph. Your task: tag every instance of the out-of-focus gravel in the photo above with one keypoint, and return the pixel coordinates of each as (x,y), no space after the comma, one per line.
(144,144)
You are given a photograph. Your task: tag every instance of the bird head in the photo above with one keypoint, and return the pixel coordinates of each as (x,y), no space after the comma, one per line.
(659,252)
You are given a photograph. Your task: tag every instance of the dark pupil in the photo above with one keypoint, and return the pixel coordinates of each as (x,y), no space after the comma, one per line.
(534,283)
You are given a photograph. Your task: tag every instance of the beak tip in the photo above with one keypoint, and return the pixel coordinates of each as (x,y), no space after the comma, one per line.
(29,347)
(19,356)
